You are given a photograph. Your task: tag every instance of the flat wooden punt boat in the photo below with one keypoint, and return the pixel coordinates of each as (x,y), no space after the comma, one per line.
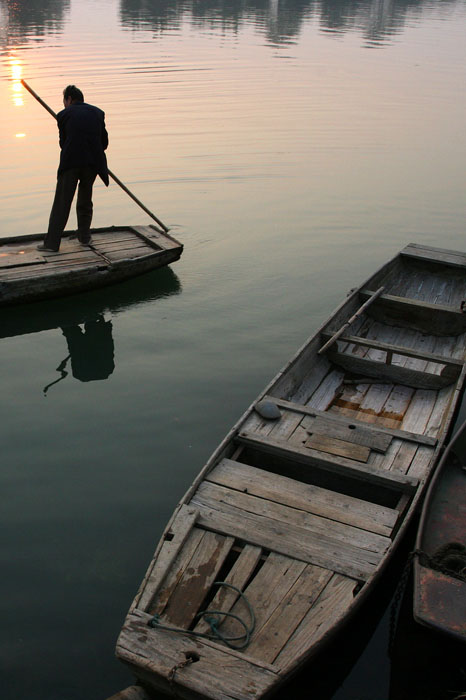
(440,561)
(116,253)
(293,519)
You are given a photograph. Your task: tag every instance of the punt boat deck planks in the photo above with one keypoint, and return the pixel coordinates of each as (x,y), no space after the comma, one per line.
(298,516)
(117,253)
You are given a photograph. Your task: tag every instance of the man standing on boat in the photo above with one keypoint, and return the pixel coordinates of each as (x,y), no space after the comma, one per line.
(83,140)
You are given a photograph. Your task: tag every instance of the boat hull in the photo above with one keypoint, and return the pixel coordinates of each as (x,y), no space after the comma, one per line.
(116,254)
(297,514)
(439,567)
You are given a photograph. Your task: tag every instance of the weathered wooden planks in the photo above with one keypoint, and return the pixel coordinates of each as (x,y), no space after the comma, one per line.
(21,259)
(289,539)
(347,431)
(339,465)
(169,548)
(394,374)
(199,573)
(211,495)
(273,634)
(403,434)
(417,314)
(154,653)
(238,576)
(203,552)
(115,254)
(313,499)
(436,255)
(391,349)
(331,607)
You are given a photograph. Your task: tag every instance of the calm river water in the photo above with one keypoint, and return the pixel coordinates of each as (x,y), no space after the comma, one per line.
(292,146)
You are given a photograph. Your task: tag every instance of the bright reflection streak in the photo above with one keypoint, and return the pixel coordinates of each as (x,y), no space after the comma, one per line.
(20,136)
(16,75)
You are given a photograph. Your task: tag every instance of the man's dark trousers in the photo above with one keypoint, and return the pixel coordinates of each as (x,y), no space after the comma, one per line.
(66,187)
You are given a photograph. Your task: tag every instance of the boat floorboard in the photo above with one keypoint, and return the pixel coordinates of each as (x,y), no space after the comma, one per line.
(305,498)
(22,260)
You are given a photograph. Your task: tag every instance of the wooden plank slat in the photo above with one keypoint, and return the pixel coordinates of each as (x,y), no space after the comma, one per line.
(213,496)
(313,499)
(13,276)
(238,576)
(334,446)
(330,607)
(327,390)
(173,575)
(437,255)
(399,350)
(349,432)
(292,541)
(395,374)
(197,579)
(339,465)
(134,244)
(23,259)
(271,637)
(155,238)
(306,410)
(437,319)
(168,550)
(266,592)
(130,254)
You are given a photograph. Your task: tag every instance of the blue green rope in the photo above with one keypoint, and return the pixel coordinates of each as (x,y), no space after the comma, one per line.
(214,619)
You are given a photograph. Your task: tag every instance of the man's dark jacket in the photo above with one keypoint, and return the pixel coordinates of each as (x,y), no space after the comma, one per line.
(83,138)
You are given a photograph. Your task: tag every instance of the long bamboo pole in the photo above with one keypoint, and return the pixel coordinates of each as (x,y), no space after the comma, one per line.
(112,175)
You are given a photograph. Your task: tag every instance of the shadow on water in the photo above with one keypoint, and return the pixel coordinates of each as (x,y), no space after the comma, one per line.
(80,308)
(82,321)
(90,351)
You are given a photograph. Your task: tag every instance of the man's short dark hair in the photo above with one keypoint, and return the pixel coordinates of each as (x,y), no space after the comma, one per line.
(73,92)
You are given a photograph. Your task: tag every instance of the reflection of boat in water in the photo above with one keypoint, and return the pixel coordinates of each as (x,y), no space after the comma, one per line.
(296,516)
(69,311)
(115,254)
(88,335)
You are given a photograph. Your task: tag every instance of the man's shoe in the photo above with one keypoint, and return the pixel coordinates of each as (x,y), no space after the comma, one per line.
(41,246)
(87,242)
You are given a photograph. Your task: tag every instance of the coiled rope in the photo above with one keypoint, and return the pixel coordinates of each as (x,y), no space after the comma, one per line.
(214,619)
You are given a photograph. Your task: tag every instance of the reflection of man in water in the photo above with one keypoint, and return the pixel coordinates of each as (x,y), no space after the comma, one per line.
(90,349)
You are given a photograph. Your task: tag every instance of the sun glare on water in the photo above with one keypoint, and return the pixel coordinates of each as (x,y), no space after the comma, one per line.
(16,75)
(16,69)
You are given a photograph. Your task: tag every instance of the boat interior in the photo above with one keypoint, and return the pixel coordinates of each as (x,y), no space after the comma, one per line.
(299,511)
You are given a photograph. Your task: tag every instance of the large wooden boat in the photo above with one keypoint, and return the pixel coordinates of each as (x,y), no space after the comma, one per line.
(295,516)
(440,561)
(116,254)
